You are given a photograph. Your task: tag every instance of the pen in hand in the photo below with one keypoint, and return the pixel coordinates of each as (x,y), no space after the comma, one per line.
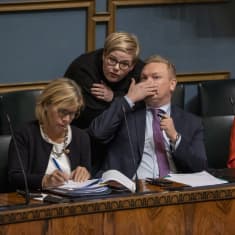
(57,164)
(58,167)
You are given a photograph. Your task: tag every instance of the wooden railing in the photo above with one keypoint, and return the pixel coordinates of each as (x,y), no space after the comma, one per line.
(189,77)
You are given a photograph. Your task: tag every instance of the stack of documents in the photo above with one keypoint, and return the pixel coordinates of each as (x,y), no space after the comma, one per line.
(76,189)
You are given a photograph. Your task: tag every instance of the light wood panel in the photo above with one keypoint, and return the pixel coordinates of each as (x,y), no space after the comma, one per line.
(43,5)
(202,211)
(198,219)
(22,86)
(196,77)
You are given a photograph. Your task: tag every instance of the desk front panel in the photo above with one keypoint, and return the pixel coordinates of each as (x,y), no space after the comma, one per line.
(190,212)
(203,218)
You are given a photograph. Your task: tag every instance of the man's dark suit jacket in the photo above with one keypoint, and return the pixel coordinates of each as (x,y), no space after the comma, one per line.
(111,128)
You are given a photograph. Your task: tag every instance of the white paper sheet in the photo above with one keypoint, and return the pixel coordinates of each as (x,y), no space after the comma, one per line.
(202,178)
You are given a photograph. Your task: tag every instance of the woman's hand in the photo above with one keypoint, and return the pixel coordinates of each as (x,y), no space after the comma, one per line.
(80,174)
(55,179)
(102,92)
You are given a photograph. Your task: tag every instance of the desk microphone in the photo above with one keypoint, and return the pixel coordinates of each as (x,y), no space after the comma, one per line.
(132,150)
(27,194)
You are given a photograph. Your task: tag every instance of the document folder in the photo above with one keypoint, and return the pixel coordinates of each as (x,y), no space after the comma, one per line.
(73,189)
(78,193)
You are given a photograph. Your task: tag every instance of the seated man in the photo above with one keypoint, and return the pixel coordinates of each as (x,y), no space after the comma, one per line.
(145,134)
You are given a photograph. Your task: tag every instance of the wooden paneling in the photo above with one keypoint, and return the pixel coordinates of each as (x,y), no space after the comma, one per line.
(192,77)
(204,211)
(195,77)
(30,5)
(22,86)
(43,5)
(198,219)
(113,5)
(92,16)
(59,5)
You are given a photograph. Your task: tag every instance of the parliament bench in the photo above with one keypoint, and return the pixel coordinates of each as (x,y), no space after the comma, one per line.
(211,100)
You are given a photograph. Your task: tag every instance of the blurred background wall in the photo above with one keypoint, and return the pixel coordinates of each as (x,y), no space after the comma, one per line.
(39,40)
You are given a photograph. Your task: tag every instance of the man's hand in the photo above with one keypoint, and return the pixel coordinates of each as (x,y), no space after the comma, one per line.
(102,92)
(139,91)
(167,124)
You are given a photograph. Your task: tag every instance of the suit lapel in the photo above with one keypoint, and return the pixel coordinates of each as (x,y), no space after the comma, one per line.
(176,116)
(140,123)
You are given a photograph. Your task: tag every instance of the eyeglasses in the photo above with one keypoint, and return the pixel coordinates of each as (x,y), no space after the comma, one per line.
(64,112)
(112,61)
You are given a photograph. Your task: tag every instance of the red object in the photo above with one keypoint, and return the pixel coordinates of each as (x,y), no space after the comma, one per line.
(231,158)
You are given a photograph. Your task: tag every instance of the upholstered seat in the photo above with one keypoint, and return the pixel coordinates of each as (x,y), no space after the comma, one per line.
(215,97)
(217,137)
(20,106)
(178,96)
(191,99)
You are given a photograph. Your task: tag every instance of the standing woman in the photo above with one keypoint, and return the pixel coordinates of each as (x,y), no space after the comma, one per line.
(52,151)
(105,73)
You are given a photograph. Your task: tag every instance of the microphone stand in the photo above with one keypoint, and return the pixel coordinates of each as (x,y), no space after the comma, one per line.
(27,194)
(137,189)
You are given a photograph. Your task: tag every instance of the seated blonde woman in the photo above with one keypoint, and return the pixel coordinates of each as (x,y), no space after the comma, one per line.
(52,151)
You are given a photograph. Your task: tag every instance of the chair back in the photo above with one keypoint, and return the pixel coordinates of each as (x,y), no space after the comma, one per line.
(4,145)
(178,96)
(20,107)
(215,97)
(217,139)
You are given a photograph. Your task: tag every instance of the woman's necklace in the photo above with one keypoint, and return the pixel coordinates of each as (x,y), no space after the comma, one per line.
(64,150)
(54,151)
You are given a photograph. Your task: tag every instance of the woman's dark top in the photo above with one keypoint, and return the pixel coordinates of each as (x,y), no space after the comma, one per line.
(35,152)
(88,69)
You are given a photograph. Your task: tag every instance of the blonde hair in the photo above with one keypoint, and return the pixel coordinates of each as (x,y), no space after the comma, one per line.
(159,59)
(62,92)
(122,41)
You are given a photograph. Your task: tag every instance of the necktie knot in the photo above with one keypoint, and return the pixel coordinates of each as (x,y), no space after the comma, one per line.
(157,113)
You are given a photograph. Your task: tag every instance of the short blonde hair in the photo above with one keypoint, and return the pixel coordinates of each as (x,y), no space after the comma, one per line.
(122,41)
(160,59)
(61,92)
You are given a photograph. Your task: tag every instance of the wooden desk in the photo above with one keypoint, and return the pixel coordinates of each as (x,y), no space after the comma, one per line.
(203,212)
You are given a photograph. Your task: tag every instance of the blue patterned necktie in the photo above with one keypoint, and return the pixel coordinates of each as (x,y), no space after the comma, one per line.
(160,151)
